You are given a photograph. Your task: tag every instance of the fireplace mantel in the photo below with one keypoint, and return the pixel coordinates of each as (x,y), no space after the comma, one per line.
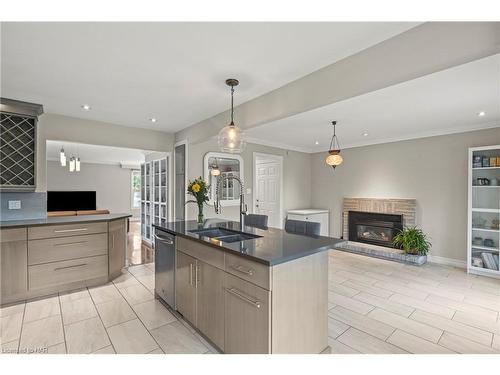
(405,207)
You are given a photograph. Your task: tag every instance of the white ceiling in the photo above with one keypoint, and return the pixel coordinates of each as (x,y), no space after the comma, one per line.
(175,72)
(96,154)
(440,103)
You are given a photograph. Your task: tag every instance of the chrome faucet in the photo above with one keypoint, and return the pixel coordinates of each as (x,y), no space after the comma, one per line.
(243,206)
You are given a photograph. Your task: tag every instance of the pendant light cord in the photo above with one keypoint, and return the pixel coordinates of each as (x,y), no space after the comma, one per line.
(232,106)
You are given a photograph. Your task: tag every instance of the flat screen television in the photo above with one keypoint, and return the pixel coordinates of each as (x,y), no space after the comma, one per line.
(71,200)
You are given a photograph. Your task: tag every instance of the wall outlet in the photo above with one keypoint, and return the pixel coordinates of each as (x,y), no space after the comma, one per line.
(14,205)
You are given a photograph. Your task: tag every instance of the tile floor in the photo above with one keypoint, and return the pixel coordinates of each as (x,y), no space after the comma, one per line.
(375,306)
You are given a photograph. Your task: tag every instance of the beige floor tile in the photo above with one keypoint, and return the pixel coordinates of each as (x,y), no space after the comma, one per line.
(107,350)
(80,309)
(11,310)
(125,280)
(153,314)
(349,303)
(473,310)
(140,270)
(86,336)
(487,301)
(362,287)
(401,289)
(147,280)
(42,308)
(10,327)
(474,321)
(42,333)
(416,345)
(342,289)
(157,351)
(438,291)
(452,326)
(74,295)
(365,343)
(104,293)
(336,328)
(151,266)
(114,312)
(131,337)
(57,349)
(422,305)
(383,303)
(408,325)
(415,279)
(362,322)
(460,344)
(391,280)
(136,294)
(175,338)
(357,277)
(336,347)
(9,347)
(496,342)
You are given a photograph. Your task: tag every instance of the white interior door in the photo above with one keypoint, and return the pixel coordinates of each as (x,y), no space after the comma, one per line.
(267,194)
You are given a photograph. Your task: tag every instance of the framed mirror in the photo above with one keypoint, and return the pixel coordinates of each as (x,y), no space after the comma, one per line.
(217,164)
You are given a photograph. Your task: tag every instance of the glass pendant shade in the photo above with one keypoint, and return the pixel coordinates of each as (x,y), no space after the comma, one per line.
(231,139)
(72,163)
(77,164)
(62,158)
(334,159)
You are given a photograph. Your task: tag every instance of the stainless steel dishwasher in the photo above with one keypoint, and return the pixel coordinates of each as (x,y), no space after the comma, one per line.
(165,266)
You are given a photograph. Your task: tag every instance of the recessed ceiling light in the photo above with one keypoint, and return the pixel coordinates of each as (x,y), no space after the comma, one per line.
(86,107)
(316,143)
(365,134)
(481,114)
(153,120)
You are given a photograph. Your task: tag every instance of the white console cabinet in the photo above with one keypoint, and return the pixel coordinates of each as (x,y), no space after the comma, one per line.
(315,215)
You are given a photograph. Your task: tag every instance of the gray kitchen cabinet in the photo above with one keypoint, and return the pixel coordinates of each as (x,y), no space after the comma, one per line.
(13,264)
(210,302)
(247,317)
(117,246)
(185,286)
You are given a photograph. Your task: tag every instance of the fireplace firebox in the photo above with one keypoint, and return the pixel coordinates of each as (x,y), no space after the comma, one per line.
(374,228)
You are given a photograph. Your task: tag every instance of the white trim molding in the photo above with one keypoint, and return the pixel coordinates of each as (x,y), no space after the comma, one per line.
(447,261)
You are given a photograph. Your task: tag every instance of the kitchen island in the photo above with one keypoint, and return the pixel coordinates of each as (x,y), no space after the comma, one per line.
(40,257)
(251,290)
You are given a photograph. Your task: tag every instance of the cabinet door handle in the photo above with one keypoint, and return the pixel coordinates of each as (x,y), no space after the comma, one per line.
(74,266)
(197,276)
(163,239)
(70,230)
(242,269)
(113,241)
(190,273)
(242,296)
(69,243)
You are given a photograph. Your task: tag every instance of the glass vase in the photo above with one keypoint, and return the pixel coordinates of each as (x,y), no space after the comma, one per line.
(200,214)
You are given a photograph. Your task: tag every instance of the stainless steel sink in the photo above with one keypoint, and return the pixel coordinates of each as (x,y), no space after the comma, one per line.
(224,235)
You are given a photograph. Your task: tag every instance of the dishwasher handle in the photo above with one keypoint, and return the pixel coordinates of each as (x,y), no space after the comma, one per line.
(168,241)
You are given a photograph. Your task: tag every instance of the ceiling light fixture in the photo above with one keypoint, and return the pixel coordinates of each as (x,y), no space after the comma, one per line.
(334,158)
(481,114)
(231,137)
(316,143)
(77,164)
(214,169)
(72,163)
(153,120)
(365,134)
(86,107)
(62,157)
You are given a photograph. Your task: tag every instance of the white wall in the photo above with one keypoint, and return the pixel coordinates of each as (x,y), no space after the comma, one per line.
(296,177)
(431,170)
(111,183)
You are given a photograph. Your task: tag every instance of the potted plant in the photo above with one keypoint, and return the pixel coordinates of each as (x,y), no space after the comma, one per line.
(198,188)
(413,241)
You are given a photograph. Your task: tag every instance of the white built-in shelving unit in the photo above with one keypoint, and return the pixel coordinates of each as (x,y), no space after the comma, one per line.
(483,233)
(154,196)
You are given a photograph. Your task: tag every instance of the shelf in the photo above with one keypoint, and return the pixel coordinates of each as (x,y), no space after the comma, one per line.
(483,168)
(486,230)
(487,248)
(486,186)
(491,210)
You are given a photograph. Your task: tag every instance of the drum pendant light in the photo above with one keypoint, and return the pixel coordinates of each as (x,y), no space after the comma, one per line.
(334,158)
(231,137)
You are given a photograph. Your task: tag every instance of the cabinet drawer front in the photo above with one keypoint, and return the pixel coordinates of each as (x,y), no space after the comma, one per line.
(202,252)
(68,271)
(296,217)
(247,314)
(14,234)
(52,231)
(256,273)
(66,248)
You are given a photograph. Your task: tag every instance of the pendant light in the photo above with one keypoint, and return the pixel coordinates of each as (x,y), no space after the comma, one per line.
(62,157)
(72,163)
(214,169)
(77,164)
(231,138)
(334,158)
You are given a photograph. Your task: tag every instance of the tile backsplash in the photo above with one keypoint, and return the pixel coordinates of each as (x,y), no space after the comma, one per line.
(33,206)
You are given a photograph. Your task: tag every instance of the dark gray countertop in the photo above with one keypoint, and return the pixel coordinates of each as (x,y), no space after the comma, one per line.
(274,247)
(61,220)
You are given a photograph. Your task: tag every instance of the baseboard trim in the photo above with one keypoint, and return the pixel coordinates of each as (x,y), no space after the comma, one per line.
(447,261)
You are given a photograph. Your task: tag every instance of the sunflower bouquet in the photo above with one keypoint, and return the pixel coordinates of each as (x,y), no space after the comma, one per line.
(198,188)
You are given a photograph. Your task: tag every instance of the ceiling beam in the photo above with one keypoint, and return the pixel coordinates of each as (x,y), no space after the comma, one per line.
(423,50)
